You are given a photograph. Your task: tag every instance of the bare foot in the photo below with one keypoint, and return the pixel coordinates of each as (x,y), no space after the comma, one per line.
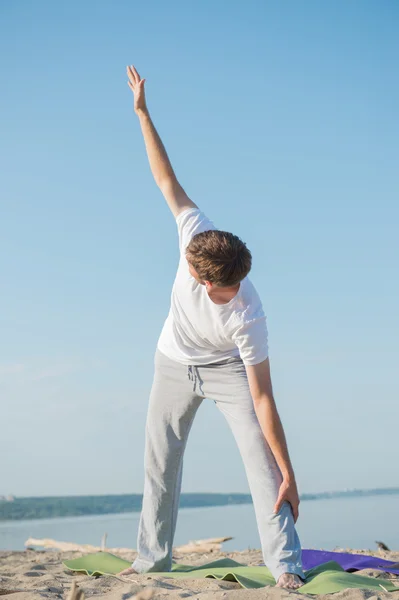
(128,571)
(290,581)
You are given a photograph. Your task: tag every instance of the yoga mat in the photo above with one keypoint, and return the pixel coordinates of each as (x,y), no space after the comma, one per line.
(349,562)
(327,578)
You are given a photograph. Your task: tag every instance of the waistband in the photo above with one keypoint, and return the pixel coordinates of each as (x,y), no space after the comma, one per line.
(193,372)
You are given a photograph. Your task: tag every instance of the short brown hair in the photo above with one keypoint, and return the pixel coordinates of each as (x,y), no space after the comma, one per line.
(219,257)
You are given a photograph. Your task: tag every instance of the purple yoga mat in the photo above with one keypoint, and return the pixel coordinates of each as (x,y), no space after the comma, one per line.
(349,562)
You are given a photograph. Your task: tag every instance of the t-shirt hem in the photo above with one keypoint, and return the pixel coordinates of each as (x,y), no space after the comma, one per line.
(254,361)
(192,361)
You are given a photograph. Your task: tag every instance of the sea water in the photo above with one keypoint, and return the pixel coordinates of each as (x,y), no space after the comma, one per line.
(328,524)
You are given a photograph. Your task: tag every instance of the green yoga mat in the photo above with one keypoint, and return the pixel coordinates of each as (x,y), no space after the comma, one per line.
(324,579)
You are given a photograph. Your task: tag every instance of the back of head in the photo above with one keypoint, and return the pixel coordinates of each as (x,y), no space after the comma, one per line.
(219,257)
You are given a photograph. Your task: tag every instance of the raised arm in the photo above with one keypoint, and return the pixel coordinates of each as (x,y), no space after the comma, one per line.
(161,168)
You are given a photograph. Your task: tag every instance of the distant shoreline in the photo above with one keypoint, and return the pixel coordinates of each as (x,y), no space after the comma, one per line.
(49,507)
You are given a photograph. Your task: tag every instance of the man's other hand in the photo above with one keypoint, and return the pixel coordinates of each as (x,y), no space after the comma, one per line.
(288,492)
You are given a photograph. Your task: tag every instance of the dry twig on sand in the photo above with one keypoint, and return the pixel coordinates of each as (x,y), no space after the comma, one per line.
(75,593)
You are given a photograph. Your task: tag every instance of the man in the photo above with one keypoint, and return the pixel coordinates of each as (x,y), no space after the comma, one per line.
(213,345)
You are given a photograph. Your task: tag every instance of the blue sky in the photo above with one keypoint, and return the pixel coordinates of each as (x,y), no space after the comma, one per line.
(281,121)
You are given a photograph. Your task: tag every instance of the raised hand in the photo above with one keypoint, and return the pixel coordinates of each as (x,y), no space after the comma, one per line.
(137,86)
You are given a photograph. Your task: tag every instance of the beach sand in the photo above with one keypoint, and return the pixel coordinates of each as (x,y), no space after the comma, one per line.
(33,574)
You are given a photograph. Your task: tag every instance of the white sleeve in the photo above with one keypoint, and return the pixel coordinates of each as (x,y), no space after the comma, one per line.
(189,223)
(251,338)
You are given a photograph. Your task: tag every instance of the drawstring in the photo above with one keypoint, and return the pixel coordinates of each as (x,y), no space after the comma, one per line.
(190,374)
(194,376)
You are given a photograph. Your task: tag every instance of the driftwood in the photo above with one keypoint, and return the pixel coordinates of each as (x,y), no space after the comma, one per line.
(202,546)
(199,546)
(66,546)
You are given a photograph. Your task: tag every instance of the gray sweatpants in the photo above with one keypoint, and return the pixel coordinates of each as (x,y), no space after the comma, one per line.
(176,394)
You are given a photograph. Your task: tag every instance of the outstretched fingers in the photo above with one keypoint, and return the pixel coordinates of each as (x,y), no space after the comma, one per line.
(136,74)
(131,75)
(134,80)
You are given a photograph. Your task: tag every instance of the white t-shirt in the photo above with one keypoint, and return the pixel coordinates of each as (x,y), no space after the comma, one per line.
(197,331)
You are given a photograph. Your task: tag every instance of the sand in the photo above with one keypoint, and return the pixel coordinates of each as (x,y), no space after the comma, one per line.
(33,574)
